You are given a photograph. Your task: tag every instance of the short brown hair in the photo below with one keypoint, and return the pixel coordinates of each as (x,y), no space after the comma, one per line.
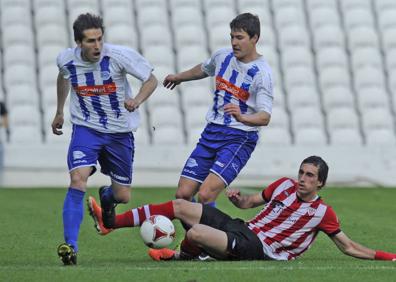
(84,22)
(247,22)
(323,168)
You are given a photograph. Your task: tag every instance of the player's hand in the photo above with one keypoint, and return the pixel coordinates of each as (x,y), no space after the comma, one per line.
(57,124)
(234,195)
(171,81)
(233,110)
(131,104)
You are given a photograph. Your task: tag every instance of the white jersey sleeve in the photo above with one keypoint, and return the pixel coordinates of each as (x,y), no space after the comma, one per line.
(63,57)
(132,62)
(264,90)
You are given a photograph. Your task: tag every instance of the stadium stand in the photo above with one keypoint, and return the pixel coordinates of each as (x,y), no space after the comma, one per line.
(334,64)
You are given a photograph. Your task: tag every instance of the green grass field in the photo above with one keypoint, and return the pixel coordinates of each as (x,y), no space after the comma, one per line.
(31,229)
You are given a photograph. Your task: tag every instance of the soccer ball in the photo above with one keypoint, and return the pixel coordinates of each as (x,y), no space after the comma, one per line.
(157,231)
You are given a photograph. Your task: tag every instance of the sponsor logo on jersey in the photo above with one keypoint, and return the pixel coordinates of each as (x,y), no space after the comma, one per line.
(219,164)
(95,90)
(191,163)
(239,93)
(78,155)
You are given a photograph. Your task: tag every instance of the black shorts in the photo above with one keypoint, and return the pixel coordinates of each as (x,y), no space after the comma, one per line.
(243,244)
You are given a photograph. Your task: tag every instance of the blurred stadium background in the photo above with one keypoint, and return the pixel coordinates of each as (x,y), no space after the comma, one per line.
(334,63)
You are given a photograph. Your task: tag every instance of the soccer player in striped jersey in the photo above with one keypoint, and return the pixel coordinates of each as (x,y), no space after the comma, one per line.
(104,114)
(242,103)
(284,229)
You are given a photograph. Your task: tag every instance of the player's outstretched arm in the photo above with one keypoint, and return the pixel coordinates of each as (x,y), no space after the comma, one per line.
(194,73)
(244,201)
(257,119)
(145,91)
(62,90)
(351,248)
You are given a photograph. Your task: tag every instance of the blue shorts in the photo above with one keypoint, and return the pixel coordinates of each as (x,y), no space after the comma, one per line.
(221,150)
(113,151)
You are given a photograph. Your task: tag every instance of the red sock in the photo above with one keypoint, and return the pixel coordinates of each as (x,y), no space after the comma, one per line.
(135,217)
(381,255)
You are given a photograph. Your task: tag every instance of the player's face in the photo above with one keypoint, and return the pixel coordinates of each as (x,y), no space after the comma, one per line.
(243,46)
(91,45)
(308,181)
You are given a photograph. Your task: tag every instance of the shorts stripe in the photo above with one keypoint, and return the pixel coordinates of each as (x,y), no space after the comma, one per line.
(85,165)
(235,153)
(219,175)
(192,178)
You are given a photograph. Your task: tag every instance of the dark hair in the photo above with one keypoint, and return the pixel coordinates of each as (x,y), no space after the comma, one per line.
(322,166)
(84,22)
(248,23)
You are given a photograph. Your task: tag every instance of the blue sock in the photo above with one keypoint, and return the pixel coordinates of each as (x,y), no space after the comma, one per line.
(73,212)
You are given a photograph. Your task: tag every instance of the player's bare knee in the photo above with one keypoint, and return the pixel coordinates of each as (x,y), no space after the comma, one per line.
(206,196)
(78,181)
(194,234)
(179,205)
(184,192)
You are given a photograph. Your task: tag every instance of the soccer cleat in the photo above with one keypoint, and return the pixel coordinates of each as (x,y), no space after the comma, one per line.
(67,254)
(162,254)
(95,211)
(108,209)
(205,257)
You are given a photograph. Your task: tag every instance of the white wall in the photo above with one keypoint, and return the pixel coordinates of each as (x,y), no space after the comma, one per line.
(45,166)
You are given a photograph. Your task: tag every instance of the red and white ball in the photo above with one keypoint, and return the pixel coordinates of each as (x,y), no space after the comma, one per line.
(157,231)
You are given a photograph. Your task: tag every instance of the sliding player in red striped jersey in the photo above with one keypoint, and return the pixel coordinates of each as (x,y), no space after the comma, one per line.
(283,230)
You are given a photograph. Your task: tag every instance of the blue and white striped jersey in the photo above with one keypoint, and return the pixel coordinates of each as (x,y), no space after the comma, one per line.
(247,85)
(98,90)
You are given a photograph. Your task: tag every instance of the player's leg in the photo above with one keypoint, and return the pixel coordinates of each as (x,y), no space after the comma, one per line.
(231,157)
(210,189)
(81,158)
(212,240)
(73,213)
(197,166)
(116,160)
(187,188)
(73,209)
(186,211)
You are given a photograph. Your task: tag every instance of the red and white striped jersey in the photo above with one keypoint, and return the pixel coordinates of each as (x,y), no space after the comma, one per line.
(287,226)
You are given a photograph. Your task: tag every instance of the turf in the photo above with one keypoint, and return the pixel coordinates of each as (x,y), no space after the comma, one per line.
(31,229)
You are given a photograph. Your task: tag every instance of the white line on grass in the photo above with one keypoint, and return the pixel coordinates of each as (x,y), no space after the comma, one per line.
(233,267)
(274,268)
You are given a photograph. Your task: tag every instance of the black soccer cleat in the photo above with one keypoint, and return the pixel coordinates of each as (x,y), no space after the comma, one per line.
(67,254)
(108,210)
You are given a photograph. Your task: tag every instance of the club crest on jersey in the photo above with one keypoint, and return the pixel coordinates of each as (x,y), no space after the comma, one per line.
(311,211)
(105,75)
(277,206)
